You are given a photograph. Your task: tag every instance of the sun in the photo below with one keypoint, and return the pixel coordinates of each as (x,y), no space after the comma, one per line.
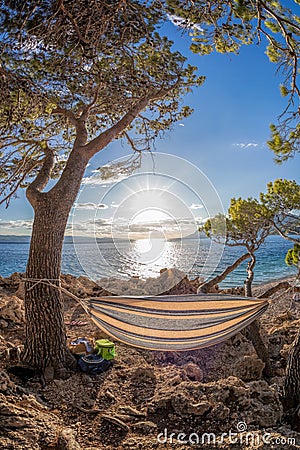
(151,215)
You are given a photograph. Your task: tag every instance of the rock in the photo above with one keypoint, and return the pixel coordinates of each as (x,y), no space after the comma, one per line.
(181,405)
(6,383)
(233,291)
(275,345)
(145,427)
(12,281)
(193,371)
(131,443)
(177,379)
(249,368)
(170,281)
(237,340)
(115,421)
(82,286)
(199,409)
(284,334)
(110,395)
(3,323)
(266,408)
(67,441)
(86,380)
(254,402)
(87,283)
(14,354)
(123,417)
(131,411)
(26,424)
(12,309)
(220,412)
(20,293)
(144,373)
(181,285)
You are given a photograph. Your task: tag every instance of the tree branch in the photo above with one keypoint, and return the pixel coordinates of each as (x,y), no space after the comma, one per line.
(107,136)
(74,23)
(205,287)
(282,234)
(79,123)
(66,113)
(288,39)
(87,108)
(40,182)
(8,197)
(273,289)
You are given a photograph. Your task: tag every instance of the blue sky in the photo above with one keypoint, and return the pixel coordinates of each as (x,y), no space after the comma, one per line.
(225,137)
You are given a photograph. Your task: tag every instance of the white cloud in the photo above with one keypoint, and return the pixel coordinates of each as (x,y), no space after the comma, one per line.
(96,178)
(245,144)
(196,206)
(11,224)
(201,220)
(121,227)
(89,227)
(118,227)
(90,206)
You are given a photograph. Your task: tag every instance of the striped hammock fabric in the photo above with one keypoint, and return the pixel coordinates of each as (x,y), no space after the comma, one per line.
(174,322)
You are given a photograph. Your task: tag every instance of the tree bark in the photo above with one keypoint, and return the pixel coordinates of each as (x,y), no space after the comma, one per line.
(291,393)
(45,346)
(45,341)
(205,288)
(252,332)
(250,276)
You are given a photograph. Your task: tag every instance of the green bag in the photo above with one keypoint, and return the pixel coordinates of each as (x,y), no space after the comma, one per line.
(105,349)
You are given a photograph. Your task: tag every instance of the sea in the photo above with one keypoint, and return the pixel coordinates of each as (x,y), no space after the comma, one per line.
(105,258)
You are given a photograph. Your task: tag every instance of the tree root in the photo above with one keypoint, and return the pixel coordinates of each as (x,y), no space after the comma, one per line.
(273,289)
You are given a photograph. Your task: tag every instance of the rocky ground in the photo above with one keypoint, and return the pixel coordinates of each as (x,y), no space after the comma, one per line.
(147,396)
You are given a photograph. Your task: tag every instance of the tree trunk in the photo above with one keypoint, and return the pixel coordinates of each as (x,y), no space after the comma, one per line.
(250,276)
(252,332)
(45,342)
(291,394)
(205,288)
(45,346)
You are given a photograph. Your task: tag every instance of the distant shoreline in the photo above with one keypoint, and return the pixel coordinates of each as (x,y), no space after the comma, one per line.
(89,258)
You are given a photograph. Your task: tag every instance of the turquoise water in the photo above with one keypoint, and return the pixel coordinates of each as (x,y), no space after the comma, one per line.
(107,259)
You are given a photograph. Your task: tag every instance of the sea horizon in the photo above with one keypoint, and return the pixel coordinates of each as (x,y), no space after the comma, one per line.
(122,259)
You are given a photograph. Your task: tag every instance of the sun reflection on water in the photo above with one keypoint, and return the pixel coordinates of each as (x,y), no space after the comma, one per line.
(151,255)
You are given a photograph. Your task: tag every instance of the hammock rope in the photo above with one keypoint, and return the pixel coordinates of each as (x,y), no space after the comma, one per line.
(169,322)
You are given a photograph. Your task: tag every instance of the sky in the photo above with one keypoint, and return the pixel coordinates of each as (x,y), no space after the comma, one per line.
(218,153)
(166,197)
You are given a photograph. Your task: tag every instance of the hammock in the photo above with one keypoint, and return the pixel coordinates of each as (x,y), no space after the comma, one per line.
(174,322)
